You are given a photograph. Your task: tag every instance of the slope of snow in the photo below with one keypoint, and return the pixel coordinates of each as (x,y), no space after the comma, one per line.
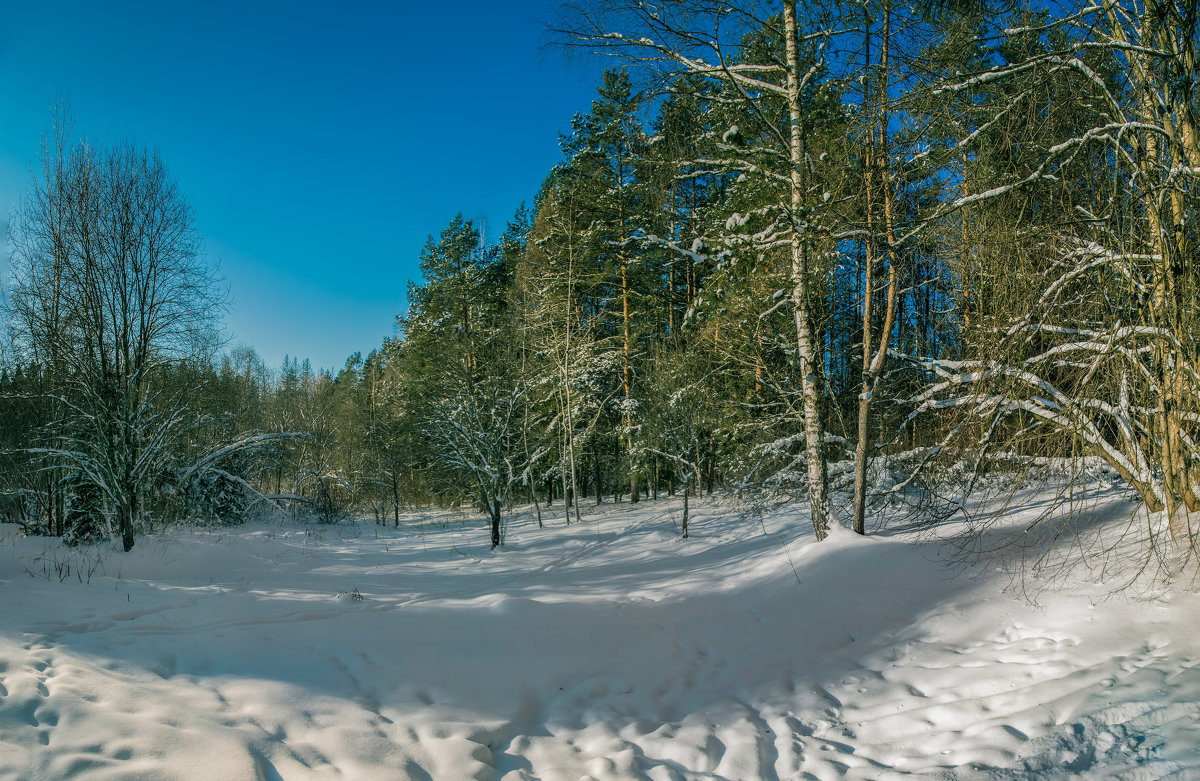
(607,650)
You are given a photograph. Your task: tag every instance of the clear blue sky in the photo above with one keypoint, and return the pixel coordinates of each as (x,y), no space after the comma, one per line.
(320,142)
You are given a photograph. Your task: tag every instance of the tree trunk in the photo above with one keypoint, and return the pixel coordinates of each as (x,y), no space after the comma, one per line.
(537,508)
(814,430)
(494,509)
(395,501)
(874,357)
(685,510)
(627,378)
(127,516)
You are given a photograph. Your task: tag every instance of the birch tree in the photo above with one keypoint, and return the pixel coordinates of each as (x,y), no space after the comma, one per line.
(557,286)
(1101,359)
(705,39)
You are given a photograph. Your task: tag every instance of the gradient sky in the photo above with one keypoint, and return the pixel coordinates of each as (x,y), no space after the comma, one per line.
(320,142)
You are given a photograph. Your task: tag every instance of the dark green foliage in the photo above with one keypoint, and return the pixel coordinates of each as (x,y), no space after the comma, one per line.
(642,329)
(84,520)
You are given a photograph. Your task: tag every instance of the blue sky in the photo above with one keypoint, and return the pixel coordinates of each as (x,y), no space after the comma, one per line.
(319,142)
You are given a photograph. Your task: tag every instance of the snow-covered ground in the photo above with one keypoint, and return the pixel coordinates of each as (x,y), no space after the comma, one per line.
(607,650)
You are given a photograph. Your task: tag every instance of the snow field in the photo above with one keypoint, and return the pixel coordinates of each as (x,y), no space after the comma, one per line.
(606,650)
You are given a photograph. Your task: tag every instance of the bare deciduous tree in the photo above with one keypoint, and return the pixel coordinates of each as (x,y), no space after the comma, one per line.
(108,288)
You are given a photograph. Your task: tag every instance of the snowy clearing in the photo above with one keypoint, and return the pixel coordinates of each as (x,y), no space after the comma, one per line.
(607,650)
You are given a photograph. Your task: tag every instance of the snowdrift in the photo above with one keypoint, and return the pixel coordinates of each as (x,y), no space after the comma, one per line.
(606,650)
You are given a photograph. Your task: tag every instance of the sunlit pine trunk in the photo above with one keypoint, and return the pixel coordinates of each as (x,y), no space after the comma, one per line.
(1163,302)
(1184,152)
(874,357)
